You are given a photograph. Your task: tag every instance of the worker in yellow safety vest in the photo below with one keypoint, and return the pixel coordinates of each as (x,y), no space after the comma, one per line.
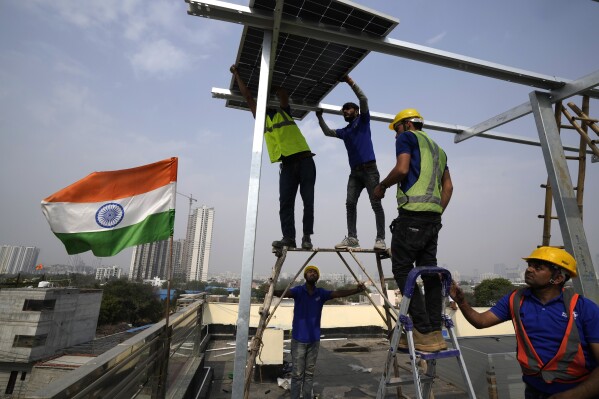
(286,144)
(423,192)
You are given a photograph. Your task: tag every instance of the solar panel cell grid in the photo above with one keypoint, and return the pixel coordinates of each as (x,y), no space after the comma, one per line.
(307,68)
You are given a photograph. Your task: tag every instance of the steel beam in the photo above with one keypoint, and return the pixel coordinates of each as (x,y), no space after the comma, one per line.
(566,206)
(578,86)
(226,94)
(251,218)
(223,11)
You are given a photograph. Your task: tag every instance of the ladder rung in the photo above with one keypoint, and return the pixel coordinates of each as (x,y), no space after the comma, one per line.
(438,355)
(543,217)
(397,381)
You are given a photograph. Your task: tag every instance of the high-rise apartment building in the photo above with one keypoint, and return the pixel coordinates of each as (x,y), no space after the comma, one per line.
(151,260)
(108,273)
(199,243)
(15,259)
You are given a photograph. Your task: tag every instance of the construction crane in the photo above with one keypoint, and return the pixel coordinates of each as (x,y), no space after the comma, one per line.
(191,199)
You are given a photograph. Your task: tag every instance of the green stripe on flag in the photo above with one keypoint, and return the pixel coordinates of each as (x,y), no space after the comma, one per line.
(155,227)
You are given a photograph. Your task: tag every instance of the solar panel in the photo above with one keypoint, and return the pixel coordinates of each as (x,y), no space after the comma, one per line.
(307,68)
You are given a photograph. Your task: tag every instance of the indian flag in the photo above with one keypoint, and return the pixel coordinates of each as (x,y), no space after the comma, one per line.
(106,212)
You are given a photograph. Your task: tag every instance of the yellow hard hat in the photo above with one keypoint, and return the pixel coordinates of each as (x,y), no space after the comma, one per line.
(405,114)
(312,267)
(556,256)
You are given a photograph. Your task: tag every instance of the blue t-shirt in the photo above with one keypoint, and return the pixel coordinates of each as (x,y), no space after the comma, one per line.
(357,140)
(546,324)
(307,312)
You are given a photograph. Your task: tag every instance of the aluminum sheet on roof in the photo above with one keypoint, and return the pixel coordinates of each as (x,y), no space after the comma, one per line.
(307,68)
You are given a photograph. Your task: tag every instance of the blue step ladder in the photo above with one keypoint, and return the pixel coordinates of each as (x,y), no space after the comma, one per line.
(422,380)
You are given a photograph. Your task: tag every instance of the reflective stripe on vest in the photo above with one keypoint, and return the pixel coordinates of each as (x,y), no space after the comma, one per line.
(425,194)
(568,364)
(283,137)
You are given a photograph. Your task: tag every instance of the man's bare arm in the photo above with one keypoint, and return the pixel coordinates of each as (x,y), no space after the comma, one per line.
(478,320)
(446,189)
(343,293)
(397,174)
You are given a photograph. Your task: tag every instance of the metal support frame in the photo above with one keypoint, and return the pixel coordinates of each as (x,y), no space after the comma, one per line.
(578,86)
(540,105)
(226,94)
(251,218)
(564,197)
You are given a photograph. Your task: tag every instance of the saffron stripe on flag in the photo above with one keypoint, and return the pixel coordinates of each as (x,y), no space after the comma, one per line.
(112,185)
(155,227)
(72,217)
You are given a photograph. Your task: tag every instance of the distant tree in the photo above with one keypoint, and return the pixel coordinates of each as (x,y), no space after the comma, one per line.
(195,285)
(219,291)
(488,292)
(260,292)
(133,303)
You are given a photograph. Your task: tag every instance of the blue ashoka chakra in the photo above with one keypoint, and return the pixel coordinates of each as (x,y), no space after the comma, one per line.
(109,215)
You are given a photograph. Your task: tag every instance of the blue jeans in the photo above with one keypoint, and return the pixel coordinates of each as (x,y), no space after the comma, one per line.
(414,240)
(303,357)
(302,174)
(364,177)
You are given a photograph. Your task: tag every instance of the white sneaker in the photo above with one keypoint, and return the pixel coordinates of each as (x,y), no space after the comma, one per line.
(379,244)
(348,242)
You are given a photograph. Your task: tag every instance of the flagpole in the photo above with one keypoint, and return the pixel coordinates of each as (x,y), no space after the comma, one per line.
(167,349)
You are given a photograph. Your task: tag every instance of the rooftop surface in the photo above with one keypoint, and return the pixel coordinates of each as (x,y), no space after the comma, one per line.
(346,368)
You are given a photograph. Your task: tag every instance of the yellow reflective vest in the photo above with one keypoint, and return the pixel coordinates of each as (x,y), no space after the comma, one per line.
(425,194)
(283,137)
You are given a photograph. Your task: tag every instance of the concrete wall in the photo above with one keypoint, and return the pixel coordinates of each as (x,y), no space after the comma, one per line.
(72,321)
(334,316)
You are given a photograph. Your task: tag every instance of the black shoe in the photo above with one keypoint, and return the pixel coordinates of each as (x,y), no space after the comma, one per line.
(284,242)
(306,242)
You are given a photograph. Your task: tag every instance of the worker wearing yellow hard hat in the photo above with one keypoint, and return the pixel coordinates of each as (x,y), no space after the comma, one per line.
(557,330)
(424,189)
(308,302)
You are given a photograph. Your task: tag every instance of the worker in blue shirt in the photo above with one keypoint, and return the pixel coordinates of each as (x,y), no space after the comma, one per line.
(362,162)
(557,331)
(305,334)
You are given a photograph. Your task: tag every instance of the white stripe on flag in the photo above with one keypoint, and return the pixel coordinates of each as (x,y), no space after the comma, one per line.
(71,217)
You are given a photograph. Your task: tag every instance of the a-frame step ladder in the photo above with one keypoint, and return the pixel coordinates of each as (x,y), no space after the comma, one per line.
(422,381)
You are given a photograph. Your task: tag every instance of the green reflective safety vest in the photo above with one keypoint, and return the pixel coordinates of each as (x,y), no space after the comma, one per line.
(425,194)
(283,137)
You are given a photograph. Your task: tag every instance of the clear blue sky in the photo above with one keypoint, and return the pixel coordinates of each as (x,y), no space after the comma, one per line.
(111,84)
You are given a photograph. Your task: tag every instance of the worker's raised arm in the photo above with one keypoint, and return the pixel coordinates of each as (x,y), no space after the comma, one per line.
(359,93)
(245,92)
(478,320)
(325,128)
(283,97)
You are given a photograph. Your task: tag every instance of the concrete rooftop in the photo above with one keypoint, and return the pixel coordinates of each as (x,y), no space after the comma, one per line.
(346,368)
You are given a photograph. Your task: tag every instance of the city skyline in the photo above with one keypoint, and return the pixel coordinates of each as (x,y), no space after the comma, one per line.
(98,86)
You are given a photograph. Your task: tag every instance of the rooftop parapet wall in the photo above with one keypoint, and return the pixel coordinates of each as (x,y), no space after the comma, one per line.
(338,316)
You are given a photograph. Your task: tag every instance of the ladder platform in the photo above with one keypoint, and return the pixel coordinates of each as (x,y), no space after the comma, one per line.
(399,381)
(382,252)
